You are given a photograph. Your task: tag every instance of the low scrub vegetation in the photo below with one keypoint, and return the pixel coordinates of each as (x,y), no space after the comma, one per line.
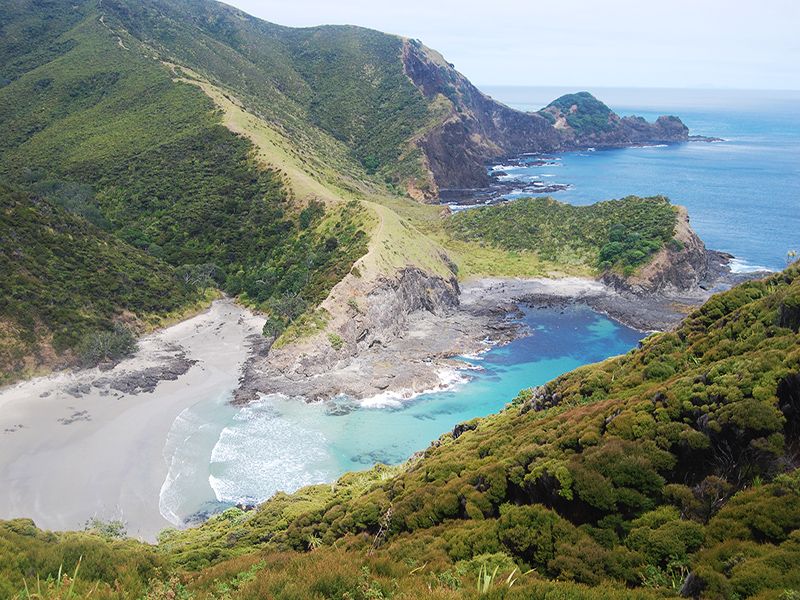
(619,235)
(107,346)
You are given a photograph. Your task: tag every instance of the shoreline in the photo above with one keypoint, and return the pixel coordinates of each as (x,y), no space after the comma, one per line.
(120,418)
(487,314)
(501,184)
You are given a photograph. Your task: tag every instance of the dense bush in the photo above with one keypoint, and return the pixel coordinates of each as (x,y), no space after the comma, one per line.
(618,234)
(64,281)
(584,112)
(107,565)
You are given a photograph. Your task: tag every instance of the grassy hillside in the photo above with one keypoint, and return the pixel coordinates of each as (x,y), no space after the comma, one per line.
(617,234)
(339,92)
(674,464)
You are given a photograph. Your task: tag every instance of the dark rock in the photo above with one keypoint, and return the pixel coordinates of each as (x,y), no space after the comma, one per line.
(789,403)
(147,379)
(462,428)
(78,390)
(789,314)
(692,586)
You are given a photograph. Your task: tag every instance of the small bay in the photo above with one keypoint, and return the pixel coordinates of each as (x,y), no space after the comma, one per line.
(281,444)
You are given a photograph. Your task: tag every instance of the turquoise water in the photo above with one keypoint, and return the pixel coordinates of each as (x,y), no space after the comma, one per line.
(743,194)
(246,455)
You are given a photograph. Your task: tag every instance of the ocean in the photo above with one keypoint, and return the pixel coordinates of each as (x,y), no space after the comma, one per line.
(743,194)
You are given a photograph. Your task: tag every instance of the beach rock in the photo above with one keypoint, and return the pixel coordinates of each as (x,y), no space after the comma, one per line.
(146,380)
(78,390)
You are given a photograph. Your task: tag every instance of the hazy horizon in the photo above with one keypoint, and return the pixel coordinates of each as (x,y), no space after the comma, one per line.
(715,45)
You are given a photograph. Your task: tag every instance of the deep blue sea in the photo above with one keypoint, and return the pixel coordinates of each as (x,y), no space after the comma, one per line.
(743,197)
(743,194)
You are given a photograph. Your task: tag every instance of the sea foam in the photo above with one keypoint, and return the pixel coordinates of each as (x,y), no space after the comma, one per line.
(737,265)
(262,452)
(448,379)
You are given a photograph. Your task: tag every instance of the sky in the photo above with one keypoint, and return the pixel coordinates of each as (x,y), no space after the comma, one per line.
(736,44)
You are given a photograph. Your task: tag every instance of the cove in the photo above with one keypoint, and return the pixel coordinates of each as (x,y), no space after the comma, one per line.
(221,455)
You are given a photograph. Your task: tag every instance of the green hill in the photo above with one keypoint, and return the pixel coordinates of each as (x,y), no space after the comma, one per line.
(213,140)
(64,280)
(673,466)
(102,130)
(617,234)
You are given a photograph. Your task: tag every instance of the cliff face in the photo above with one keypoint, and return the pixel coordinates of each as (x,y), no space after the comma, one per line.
(369,333)
(478,129)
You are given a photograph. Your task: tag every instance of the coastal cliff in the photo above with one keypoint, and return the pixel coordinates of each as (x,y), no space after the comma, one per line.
(477,129)
(367,344)
(683,265)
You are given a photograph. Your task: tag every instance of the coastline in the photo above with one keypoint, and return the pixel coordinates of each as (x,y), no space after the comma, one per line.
(121,418)
(486,314)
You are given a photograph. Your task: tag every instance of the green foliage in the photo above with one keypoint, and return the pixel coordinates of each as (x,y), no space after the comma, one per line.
(101,131)
(112,530)
(617,234)
(106,346)
(64,282)
(584,112)
(337,343)
(340,92)
(28,554)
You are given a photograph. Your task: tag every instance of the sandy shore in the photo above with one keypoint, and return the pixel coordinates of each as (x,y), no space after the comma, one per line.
(86,444)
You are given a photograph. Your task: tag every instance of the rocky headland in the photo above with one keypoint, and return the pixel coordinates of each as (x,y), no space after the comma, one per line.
(477,130)
(397,338)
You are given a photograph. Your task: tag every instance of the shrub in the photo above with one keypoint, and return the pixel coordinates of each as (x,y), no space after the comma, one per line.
(104,346)
(337,343)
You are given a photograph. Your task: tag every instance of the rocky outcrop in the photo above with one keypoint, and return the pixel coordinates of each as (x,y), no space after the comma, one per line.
(383,313)
(683,265)
(478,129)
(366,346)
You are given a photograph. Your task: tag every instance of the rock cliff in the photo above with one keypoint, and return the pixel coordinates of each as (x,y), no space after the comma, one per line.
(366,346)
(476,129)
(684,265)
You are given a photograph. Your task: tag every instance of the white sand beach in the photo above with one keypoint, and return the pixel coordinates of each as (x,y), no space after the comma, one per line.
(72,447)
